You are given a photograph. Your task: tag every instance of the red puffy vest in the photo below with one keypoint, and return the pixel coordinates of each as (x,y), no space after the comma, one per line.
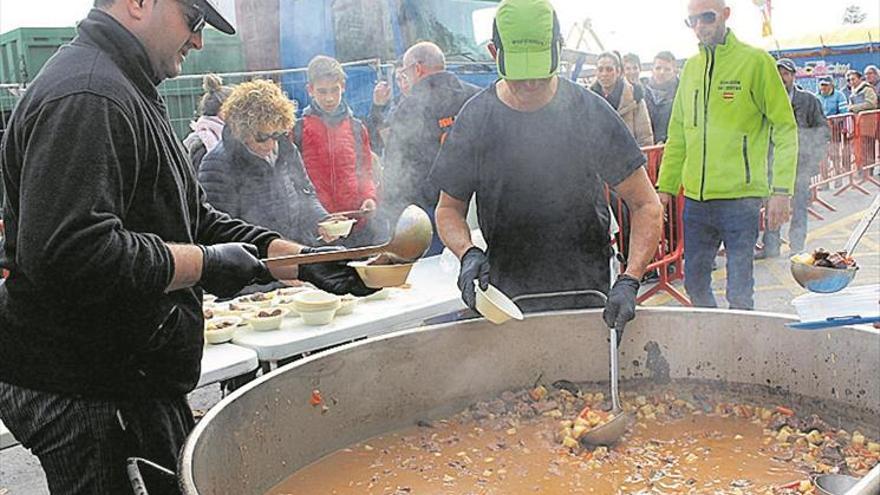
(330,156)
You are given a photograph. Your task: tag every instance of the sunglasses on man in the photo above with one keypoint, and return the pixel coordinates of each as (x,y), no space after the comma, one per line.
(195,17)
(706,18)
(262,137)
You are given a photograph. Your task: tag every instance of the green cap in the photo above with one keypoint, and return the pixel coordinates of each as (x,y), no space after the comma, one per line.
(526,34)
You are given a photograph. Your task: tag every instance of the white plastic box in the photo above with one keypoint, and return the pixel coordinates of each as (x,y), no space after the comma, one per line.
(861,301)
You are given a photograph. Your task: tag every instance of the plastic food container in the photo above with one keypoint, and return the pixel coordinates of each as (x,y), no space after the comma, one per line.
(220,330)
(381,276)
(348,304)
(266,323)
(495,306)
(338,227)
(861,301)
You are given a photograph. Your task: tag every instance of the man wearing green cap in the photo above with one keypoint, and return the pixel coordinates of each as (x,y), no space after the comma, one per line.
(537,150)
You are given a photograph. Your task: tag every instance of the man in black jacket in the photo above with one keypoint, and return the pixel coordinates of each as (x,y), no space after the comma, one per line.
(417,127)
(110,245)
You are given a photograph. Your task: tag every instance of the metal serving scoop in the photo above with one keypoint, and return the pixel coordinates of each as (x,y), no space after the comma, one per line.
(610,432)
(411,239)
(827,280)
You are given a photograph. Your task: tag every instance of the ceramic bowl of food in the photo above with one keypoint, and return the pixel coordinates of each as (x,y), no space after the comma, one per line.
(266,319)
(348,303)
(495,306)
(315,300)
(381,276)
(258,299)
(220,329)
(337,227)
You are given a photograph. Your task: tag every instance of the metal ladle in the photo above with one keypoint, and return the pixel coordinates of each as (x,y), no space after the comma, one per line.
(825,279)
(610,432)
(411,239)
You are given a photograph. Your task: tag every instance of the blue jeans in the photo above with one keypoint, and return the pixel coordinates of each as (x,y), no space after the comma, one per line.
(706,225)
(797,230)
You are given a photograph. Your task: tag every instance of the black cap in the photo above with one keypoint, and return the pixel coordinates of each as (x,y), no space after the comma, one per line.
(214,17)
(787,64)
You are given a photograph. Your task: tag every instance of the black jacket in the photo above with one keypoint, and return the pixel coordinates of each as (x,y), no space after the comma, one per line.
(415,131)
(97,184)
(813,130)
(245,186)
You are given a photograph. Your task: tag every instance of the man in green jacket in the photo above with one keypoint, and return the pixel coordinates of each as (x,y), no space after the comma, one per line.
(729,102)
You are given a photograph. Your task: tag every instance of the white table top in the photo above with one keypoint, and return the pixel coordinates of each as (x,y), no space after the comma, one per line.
(432,292)
(224,361)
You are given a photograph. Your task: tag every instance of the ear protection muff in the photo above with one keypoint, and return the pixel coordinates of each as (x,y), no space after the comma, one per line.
(555,48)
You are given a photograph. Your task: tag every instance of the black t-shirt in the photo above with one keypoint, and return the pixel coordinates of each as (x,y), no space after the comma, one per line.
(539,180)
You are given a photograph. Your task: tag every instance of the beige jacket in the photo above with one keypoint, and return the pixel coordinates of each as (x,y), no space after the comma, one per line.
(635,116)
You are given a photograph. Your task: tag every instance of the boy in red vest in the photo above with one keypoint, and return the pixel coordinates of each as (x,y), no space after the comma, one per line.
(335,147)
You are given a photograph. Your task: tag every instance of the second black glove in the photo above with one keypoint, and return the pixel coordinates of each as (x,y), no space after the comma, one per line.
(621,305)
(474,266)
(229,267)
(335,277)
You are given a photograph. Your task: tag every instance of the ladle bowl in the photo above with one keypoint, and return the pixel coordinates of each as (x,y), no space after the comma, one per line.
(410,241)
(822,279)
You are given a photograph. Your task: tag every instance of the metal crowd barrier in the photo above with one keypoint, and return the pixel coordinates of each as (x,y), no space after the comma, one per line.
(668,261)
(852,156)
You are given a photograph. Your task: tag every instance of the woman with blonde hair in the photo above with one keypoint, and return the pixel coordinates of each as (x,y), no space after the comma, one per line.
(208,129)
(256,173)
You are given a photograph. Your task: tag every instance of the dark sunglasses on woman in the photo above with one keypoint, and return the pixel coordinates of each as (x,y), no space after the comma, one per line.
(262,137)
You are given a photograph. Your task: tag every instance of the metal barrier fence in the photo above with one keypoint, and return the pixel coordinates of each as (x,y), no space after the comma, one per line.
(182,94)
(668,262)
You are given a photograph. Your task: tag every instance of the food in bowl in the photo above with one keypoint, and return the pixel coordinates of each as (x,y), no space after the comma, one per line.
(286,302)
(220,330)
(379,276)
(259,299)
(207,313)
(822,258)
(266,319)
(337,227)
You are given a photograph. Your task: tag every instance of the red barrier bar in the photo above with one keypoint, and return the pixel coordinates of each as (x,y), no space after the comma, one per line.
(866,144)
(670,249)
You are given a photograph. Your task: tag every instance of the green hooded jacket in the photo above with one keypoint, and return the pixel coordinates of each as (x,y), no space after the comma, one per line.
(730,100)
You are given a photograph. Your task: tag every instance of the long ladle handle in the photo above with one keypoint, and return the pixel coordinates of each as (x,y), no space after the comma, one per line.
(305,259)
(615,398)
(862,227)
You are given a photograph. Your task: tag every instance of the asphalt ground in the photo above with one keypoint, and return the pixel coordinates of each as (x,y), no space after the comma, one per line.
(20,472)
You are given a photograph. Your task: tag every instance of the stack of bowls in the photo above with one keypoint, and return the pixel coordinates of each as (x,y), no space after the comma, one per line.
(316,307)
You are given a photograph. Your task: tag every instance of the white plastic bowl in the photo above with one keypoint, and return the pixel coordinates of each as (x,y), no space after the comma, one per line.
(338,227)
(259,299)
(379,296)
(381,276)
(315,300)
(286,302)
(264,324)
(224,334)
(320,317)
(495,306)
(347,307)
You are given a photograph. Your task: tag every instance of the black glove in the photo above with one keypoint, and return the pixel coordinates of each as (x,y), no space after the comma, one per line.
(229,267)
(621,305)
(335,277)
(474,266)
